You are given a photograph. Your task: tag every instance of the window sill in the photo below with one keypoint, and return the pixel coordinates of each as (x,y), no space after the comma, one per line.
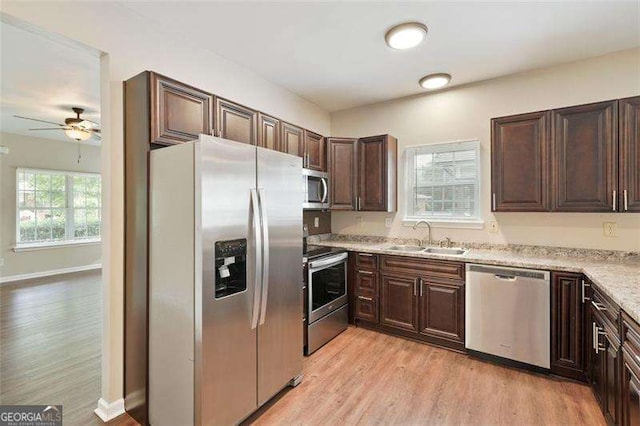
(52,245)
(443,223)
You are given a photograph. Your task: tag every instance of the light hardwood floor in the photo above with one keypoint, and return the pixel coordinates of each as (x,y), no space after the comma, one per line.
(363,377)
(50,330)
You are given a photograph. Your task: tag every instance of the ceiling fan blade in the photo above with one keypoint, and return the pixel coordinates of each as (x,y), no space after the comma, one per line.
(42,121)
(51,128)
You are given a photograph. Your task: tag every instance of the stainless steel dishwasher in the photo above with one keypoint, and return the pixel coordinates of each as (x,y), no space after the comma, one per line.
(507,313)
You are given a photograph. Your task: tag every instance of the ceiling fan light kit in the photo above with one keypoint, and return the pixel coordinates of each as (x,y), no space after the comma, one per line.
(76,128)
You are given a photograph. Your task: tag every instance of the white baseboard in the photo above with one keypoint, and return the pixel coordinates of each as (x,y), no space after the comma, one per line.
(109,411)
(20,277)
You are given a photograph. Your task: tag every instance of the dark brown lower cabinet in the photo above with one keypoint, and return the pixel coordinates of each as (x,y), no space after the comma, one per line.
(442,310)
(399,302)
(605,373)
(415,298)
(630,366)
(567,341)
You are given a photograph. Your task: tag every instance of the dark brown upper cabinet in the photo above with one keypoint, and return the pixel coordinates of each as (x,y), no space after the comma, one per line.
(315,152)
(520,162)
(179,113)
(629,112)
(342,159)
(585,158)
(291,139)
(268,132)
(377,157)
(236,122)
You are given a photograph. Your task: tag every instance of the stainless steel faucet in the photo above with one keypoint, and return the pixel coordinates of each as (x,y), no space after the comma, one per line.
(428,226)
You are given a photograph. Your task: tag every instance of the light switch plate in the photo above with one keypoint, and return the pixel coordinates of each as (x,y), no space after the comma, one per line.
(388,222)
(359,222)
(610,229)
(1,261)
(316,222)
(493,227)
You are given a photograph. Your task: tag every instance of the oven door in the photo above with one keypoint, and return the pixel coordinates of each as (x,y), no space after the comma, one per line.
(327,285)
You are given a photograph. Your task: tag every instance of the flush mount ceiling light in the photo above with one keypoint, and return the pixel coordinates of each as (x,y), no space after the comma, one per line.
(406,35)
(435,81)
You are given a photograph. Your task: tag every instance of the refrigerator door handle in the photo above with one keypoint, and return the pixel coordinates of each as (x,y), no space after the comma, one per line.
(265,256)
(257,232)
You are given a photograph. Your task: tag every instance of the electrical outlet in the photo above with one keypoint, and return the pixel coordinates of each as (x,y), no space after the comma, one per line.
(610,229)
(359,222)
(493,227)
(316,222)
(1,261)
(388,222)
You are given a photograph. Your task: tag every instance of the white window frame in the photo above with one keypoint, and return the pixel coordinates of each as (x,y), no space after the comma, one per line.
(69,230)
(475,222)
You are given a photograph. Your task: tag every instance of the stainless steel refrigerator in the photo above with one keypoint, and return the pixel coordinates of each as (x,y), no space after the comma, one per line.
(225,304)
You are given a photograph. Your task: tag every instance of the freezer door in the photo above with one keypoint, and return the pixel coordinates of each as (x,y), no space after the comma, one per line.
(280,329)
(226,351)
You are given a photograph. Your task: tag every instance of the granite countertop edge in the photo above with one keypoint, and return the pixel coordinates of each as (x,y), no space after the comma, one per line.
(617,279)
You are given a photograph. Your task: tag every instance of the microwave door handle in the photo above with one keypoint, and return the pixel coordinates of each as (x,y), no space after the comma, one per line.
(325,193)
(257,233)
(265,256)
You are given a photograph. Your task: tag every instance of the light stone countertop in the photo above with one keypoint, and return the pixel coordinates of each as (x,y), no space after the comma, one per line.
(619,278)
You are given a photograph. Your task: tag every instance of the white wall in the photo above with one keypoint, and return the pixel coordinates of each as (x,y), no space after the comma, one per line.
(133,46)
(464,113)
(40,153)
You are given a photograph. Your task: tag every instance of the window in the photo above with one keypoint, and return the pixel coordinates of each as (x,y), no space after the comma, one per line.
(57,207)
(443,182)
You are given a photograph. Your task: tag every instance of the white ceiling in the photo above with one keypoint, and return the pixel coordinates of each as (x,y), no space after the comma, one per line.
(334,54)
(43,77)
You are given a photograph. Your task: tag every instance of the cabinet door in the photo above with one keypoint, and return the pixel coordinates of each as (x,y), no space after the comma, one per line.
(179,113)
(343,172)
(597,358)
(630,390)
(566,325)
(236,122)
(611,379)
(399,301)
(585,158)
(366,282)
(377,174)
(520,162)
(441,310)
(292,139)
(268,132)
(315,151)
(630,154)
(367,308)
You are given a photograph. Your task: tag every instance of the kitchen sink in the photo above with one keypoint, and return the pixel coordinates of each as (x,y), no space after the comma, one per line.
(429,250)
(449,251)
(405,248)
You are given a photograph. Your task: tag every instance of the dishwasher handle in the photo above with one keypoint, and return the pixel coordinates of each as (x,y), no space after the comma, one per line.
(501,277)
(508,274)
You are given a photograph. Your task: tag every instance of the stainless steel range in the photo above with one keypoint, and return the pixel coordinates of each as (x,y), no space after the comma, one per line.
(327,304)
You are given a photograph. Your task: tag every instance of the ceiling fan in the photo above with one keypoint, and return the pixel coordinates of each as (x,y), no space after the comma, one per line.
(76,128)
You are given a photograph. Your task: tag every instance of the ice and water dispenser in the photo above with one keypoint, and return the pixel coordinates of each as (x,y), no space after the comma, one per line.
(231,267)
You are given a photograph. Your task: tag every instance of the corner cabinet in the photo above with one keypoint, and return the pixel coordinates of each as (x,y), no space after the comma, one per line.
(629,135)
(363,173)
(520,162)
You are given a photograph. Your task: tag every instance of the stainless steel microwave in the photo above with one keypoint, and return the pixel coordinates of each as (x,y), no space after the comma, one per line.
(316,190)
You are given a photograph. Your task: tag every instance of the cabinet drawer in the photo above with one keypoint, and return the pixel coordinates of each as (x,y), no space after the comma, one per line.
(367,308)
(415,266)
(366,261)
(366,282)
(609,310)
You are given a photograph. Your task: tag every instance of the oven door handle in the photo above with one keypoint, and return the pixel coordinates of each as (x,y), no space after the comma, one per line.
(331,261)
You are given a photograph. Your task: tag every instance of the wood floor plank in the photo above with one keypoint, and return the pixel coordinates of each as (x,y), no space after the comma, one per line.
(366,378)
(50,343)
